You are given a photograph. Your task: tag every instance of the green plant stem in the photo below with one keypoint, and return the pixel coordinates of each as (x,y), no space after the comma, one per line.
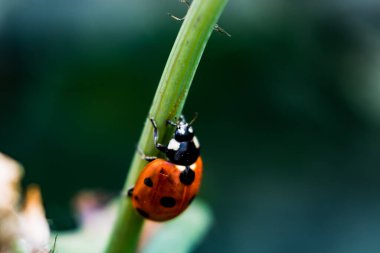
(167,104)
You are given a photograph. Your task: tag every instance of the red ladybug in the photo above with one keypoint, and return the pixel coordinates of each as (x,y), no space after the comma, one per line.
(165,188)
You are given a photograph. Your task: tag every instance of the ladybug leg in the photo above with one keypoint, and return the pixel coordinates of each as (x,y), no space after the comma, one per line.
(172,123)
(149,158)
(155,136)
(128,193)
(221,30)
(145,157)
(176,18)
(216,26)
(183,18)
(185,2)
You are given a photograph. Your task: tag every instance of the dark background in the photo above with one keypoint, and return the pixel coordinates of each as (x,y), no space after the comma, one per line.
(289,112)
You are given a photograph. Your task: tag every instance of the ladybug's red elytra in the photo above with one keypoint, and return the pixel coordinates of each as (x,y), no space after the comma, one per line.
(165,188)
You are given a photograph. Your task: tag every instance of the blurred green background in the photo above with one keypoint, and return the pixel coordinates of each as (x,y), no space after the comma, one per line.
(289,112)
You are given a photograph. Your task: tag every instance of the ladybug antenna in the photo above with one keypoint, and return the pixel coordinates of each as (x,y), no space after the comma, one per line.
(194,118)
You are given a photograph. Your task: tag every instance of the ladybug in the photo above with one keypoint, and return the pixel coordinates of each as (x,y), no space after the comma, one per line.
(165,188)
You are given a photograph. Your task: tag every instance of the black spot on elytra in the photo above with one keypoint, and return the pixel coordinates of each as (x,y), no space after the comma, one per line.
(142,213)
(187,176)
(148,182)
(167,202)
(163,172)
(136,197)
(191,200)
(130,192)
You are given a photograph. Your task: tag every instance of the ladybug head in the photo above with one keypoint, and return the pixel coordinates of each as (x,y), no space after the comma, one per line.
(184,131)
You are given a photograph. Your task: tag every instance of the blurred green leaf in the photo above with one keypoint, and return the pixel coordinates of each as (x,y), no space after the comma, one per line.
(92,236)
(182,234)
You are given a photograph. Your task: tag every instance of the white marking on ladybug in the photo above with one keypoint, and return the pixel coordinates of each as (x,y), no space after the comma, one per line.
(196,142)
(193,166)
(180,167)
(182,129)
(173,145)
